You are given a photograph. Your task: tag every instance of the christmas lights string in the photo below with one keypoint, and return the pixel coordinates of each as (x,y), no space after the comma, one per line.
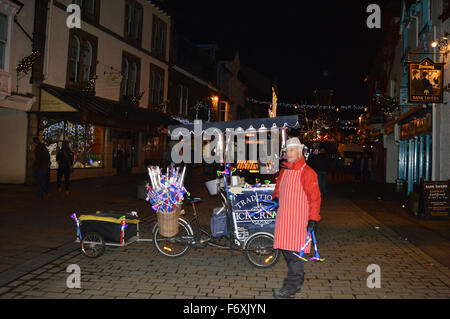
(305,106)
(212,130)
(25,65)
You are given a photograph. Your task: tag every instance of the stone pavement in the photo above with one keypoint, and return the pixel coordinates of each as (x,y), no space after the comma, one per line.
(349,239)
(36,232)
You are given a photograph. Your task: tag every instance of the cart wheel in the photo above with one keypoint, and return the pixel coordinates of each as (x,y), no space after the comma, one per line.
(170,247)
(260,252)
(92,245)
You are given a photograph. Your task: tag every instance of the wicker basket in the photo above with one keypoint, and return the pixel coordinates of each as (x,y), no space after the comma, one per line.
(168,223)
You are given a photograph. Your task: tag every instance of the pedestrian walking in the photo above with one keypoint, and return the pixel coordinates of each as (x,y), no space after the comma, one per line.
(357,168)
(65,162)
(41,167)
(366,168)
(338,164)
(322,167)
(298,194)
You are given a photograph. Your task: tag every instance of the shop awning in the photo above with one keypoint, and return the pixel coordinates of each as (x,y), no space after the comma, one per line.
(256,123)
(416,112)
(97,110)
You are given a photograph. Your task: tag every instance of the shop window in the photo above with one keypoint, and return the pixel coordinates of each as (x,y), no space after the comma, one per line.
(124,150)
(85,141)
(152,144)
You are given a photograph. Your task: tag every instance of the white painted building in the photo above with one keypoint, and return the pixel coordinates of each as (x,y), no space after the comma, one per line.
(424,154)
(15,94)
(122,50)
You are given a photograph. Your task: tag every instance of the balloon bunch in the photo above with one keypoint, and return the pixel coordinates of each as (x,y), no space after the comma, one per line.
(166,192)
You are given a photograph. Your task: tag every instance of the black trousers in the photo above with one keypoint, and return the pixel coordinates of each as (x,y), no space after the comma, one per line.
(296,274)
(66,172)
(41,182)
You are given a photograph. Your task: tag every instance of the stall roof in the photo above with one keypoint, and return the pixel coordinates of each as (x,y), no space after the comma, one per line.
(256,123)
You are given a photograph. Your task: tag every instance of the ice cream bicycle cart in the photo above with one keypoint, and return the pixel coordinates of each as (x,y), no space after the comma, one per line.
(246,220)
(248,229)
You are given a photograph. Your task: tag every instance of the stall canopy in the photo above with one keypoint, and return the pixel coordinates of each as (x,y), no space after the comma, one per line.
(257,123)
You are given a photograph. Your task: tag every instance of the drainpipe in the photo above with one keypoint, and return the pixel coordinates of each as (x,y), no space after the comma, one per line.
(417,29)
(48,39)
(435,165)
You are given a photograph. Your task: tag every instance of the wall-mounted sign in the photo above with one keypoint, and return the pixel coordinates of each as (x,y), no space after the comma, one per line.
(436,198)
(425,81)
(50,103)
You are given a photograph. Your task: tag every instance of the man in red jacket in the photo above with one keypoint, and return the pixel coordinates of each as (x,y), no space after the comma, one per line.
(298,194)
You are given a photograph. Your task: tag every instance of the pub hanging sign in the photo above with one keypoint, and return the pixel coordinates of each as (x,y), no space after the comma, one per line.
(425,81)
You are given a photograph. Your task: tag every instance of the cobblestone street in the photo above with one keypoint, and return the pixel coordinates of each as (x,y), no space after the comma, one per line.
(348,238)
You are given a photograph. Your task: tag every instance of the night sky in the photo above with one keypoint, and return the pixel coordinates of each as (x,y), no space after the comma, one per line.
(307,46)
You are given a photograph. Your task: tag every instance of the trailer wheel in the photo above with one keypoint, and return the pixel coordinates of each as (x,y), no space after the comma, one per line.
(259,250)
(93,245)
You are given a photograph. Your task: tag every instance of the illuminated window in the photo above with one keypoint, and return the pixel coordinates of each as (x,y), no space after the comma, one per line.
(85,141)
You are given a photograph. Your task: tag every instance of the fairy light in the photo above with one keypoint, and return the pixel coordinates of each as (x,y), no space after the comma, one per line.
(26,64)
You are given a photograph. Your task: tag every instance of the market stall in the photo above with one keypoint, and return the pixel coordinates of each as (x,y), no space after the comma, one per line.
(251,145)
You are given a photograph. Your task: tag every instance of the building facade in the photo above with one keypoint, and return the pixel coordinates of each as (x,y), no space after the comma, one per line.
(103,87)
(416,138)
(192,81)
(16,100)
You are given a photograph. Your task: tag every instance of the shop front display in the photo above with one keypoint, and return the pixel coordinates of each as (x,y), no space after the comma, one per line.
(85,140)
(415,147)
(124,150)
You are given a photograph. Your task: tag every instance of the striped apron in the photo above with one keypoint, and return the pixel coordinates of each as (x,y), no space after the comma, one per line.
(293,212)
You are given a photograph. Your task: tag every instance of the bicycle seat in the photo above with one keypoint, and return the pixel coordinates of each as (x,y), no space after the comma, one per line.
(191,200)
